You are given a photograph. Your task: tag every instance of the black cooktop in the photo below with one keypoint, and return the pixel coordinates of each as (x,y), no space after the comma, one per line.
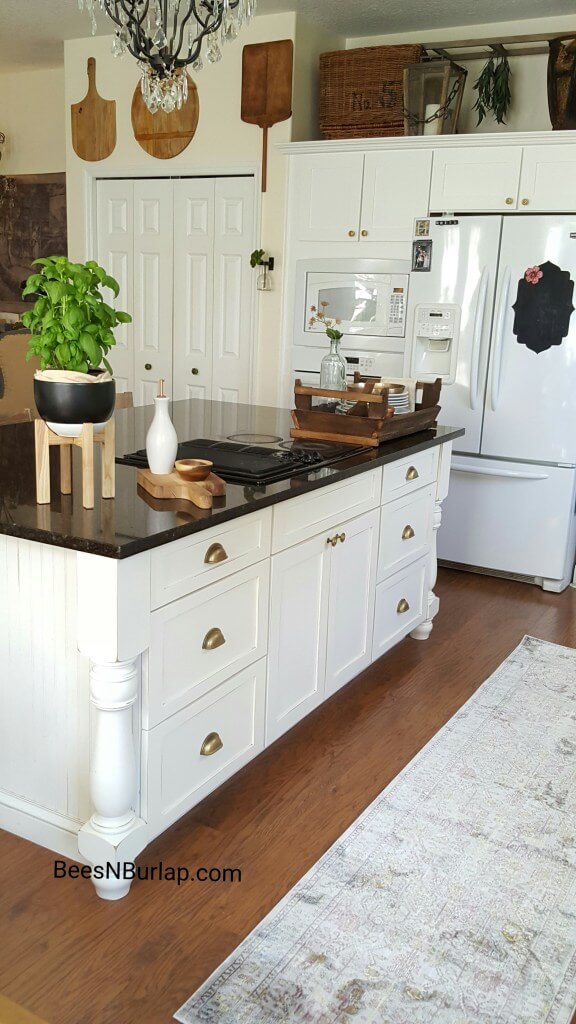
(256,463)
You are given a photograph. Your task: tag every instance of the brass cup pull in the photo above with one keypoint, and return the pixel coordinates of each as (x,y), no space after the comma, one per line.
(407,533)
(211,745)
(351,234)
(509,201)
(525,202)
(402,606)
(214,638)
(364,233)
(412,473)
(215,553)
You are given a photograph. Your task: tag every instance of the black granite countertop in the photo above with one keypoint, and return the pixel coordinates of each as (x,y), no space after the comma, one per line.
(134,521)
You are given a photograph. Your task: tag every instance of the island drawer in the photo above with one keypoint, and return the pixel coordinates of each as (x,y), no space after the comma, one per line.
(185,565)
(195,751)
(409,475)
(200,640)
(399,606)
(309,514)
(405,531)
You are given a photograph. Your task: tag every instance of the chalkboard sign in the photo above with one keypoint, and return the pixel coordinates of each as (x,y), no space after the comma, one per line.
(543,307)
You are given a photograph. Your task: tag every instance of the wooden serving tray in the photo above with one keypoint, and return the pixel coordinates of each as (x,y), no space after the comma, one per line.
(371,421)
(171,485)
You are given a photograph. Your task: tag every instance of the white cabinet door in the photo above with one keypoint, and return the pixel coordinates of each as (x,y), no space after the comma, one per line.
(115,252)
(328,196)
(475,178)
(153,287)
(396,191)
(547,181)
(193,286)
(233,289)
(351,600)
(297,641)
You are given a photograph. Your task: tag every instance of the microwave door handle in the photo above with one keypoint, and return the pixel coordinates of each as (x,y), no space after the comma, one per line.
(512,474)
(477,340)
(498,350)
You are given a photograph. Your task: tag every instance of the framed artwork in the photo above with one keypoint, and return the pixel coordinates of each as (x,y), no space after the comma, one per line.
(32,224)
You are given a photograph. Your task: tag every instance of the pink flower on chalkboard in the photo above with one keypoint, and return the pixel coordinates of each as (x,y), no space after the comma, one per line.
(533,275)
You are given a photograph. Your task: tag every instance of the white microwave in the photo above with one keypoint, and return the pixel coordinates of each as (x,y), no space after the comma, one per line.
(368,297)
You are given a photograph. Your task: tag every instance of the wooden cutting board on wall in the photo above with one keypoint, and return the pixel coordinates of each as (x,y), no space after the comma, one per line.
(93,122)
(165,135)
(267,88)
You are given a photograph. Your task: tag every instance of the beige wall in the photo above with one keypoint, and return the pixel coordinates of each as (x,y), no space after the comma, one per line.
(529,110)
(32,119)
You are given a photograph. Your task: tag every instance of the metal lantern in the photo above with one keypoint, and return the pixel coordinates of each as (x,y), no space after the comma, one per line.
(433,97)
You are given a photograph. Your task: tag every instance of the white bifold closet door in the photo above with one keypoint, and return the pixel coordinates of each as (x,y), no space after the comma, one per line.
(115,252)
(213,238)
(153,288)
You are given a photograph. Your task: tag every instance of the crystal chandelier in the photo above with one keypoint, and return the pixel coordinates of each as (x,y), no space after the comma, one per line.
(166,36)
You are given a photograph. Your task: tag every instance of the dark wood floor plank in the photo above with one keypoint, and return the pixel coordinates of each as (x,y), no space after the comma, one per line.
(73,959)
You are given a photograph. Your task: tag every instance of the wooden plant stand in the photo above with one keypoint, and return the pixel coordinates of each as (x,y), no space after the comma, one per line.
(46,439)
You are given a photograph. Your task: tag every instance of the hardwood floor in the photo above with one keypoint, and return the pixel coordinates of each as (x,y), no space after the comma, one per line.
(73,959)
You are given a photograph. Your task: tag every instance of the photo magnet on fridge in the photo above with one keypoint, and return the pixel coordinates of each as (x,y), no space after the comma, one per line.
(422,227)
(422,255)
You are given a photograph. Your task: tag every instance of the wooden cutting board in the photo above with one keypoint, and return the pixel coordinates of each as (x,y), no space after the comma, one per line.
(172,485)
(267,88)
(93,122)
(165,135)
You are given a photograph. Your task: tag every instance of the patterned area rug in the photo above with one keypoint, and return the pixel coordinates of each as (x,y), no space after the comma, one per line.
(452,898)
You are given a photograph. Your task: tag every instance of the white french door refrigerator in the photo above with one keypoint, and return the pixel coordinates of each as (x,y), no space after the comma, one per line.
(509,378)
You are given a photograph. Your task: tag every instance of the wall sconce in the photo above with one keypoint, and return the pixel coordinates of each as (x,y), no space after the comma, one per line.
(266,266)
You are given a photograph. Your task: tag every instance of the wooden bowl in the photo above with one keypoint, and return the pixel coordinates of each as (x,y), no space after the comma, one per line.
(193,469)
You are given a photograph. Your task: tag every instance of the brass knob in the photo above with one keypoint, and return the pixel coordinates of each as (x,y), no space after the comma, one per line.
(214,638)
(525,202)
(215,553)
(351,234)
(211,745)
(195,370)
(332,540)
(147,366)
(364,233)
(402,606)
(342,537)
(407,533)
(412,473)
(509,201)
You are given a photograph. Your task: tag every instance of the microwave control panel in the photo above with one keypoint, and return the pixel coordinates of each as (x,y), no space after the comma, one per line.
(397,311)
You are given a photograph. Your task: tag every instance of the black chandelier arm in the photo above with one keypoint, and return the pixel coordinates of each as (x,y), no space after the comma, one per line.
(193,54)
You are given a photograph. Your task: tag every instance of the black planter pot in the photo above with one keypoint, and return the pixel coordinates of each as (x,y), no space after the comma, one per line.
(67,403)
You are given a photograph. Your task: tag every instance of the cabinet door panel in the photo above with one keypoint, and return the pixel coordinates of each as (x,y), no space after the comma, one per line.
(351,601)
(153,287)
(396,190)
(476,178)
(547,181)
(115,252)
(297,642)
(193,286)
(328,193)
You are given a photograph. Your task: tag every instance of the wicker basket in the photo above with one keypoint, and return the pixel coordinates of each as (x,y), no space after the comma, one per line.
(361,91)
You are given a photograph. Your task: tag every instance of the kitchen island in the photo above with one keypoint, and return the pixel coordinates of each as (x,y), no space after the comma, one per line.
(150,649)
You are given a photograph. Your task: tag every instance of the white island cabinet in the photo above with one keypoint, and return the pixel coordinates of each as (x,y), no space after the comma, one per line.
(133,686)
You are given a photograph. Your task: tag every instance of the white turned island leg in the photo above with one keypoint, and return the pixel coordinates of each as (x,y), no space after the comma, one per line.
(432,602)
(113,836)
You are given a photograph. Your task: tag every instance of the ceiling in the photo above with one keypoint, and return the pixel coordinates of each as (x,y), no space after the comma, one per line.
(33,30)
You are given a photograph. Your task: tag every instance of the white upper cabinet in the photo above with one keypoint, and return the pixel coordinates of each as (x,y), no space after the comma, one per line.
(476,178)
(547,179)
(328,197)
(396,190)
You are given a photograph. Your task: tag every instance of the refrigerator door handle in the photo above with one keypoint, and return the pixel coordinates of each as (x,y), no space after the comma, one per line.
(477,339)
(510,473)
(498,350)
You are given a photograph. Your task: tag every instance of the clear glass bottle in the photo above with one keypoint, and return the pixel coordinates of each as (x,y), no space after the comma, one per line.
(333,369)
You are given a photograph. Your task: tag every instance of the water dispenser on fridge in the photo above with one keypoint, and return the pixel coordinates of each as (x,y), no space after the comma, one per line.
(435,343)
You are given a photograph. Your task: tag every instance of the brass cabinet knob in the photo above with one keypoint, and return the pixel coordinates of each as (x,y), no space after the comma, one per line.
(402,606)
(342,537)
(214,638)
(407,533)
(525,202)
(215,553)
(351,234)
(211,745)
(195,370)
(147,366)
(412,473)
(509,201)
(332,540)
(364,233)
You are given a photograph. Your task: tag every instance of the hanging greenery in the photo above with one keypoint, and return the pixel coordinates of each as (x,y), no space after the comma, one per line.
(493,88)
